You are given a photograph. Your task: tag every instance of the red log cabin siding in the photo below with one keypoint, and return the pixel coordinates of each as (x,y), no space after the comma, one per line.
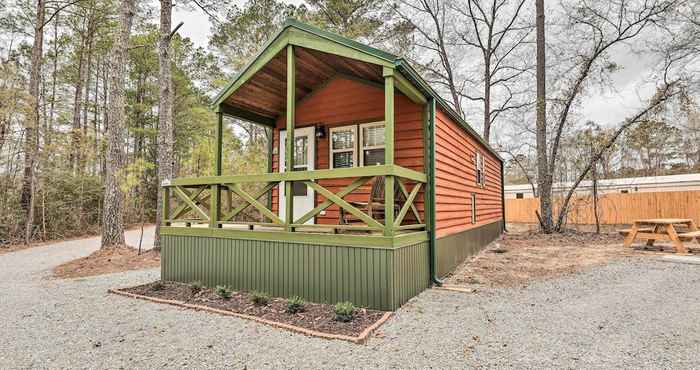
(455,180)
(344,101)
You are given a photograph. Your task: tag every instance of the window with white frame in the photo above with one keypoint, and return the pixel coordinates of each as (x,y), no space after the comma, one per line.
(479,164)
(372,144)
(343,146)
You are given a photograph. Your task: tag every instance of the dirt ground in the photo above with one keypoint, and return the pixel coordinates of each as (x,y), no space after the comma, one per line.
(517,258)
(108,260)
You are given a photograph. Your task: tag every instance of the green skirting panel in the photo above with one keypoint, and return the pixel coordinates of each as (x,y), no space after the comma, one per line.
(454,249)
(379,278)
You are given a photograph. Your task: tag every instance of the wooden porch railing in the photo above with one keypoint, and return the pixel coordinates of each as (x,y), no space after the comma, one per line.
(201,197)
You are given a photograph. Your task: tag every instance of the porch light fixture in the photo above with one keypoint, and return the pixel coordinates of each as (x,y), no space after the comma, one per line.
(320,132)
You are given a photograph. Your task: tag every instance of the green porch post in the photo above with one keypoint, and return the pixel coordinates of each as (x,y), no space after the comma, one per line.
(215,199)
(289,142)
(389,150)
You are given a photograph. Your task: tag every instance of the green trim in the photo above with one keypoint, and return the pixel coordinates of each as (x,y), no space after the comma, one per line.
(219,143)
(269,51)
(389,150)
(185,198)
(347,240)
(408,204)
(327,203)
(289,138)
(344,204)
(430,135)
(409,90)
(405,194)
(311,40)
(246,115)
(215,206)
(257,195)
(335,173)
(254,202)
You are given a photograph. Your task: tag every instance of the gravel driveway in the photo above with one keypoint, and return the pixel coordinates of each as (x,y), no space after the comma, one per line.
(635,313)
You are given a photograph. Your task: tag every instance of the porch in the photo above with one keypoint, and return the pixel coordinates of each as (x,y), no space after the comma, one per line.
(346,125)
(211,201)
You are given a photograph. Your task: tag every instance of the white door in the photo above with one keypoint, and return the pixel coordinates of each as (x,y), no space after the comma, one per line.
(304,149)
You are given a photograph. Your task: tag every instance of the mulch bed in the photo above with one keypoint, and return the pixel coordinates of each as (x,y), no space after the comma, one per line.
(517,259)
(107,261)
(316,319)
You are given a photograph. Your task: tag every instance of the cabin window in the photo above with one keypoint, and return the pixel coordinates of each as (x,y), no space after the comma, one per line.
(473,209)
(479,164)
(372,144)
(343,148)
(518,195)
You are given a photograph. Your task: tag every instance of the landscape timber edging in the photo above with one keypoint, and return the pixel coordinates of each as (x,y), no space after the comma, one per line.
(360,339)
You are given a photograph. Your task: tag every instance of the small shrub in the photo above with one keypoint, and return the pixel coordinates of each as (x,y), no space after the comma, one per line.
(344,311)
(223,292)
(259,298)
(196,286)
(295,304)
(158,285)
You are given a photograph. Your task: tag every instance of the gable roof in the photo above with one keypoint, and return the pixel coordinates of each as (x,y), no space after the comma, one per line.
(358,50)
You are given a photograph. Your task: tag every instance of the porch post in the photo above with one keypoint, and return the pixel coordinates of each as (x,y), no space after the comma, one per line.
(289,144)
(389,150)
(215,199)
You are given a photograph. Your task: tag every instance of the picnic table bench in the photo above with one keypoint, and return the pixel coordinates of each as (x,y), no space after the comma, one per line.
(662,229)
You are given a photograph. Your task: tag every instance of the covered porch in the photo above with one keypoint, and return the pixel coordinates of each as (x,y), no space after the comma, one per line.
(351,145)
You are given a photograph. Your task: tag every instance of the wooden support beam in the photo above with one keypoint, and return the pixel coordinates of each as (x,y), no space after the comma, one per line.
(402,186)
(185,198)
(219,142)
(289,145)
(407,205)
(166,207)
(389,150)
(255,203)
(347,206)
(214,205)
(242,207)
(179,211)
(327,203)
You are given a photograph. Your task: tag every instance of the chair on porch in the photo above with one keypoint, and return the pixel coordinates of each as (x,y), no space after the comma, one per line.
(374,206)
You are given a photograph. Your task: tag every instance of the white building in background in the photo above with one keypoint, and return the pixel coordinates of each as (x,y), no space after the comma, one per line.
(686,182)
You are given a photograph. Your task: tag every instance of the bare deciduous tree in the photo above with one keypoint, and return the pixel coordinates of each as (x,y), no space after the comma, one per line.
(430,20)
(498,30)
(599,26)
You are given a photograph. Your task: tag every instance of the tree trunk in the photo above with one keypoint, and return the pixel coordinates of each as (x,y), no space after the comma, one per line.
(544,175)
(113,215)
(594,173)
(487,95)
(48,135)
(166,128)
(32,124)
(77,100)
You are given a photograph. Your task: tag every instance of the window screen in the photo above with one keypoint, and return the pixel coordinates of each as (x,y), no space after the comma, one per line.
(372,144)
(343,149)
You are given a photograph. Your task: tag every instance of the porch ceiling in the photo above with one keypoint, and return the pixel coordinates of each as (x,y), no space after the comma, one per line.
(265,93)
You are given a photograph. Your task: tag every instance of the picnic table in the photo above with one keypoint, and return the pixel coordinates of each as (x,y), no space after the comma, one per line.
(662,229)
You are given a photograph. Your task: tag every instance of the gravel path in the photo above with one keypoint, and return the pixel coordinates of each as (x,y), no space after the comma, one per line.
(635,313)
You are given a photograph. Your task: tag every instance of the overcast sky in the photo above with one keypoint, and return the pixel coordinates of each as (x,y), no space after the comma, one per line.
(603,107)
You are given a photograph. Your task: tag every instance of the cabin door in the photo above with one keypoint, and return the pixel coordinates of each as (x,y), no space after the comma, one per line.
(304,150)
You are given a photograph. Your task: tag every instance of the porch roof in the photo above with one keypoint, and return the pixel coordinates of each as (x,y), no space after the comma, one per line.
(258,92)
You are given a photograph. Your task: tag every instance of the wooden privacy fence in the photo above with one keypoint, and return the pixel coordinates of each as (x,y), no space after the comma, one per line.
(613,208)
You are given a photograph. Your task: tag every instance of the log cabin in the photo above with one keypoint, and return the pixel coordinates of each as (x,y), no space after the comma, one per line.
(389,188)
